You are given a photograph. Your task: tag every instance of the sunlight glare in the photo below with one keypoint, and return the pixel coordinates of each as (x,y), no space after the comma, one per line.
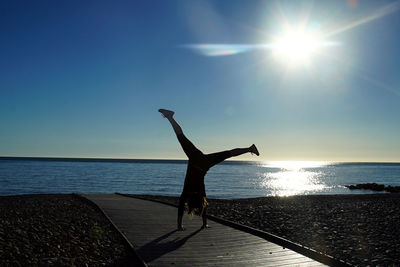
(297,46)
(295,165)
(293,178)
(289,183)
(379,13)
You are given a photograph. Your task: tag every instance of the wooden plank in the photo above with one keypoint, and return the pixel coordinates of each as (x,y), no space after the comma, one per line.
(151,228)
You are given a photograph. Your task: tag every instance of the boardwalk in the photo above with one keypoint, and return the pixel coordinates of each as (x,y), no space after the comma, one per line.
(151,229)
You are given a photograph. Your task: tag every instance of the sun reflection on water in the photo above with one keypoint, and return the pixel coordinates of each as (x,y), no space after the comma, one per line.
(293,177)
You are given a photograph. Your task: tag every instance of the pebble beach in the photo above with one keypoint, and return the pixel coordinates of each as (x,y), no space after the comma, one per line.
(63,230)
(57,230)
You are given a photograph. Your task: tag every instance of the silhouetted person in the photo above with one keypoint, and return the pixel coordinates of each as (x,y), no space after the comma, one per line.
(194,193)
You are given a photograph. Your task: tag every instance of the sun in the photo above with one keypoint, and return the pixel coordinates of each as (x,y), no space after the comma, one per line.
(297,46)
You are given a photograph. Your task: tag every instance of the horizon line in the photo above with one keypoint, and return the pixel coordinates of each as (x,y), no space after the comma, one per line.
(105,159)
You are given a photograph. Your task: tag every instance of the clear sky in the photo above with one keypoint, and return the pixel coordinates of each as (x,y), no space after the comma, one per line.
(85,78)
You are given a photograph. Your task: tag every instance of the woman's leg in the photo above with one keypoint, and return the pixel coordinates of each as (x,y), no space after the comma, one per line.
(168,114)
(218,157)
(187,146)
(180,214)
(204,217)
(239,151)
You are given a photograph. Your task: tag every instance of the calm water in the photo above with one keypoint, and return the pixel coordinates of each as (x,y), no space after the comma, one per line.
(227,180)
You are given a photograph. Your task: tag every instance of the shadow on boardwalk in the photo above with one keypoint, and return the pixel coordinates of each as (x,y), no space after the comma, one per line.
(158,247)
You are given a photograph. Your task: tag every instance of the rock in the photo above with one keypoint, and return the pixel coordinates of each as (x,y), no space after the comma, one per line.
(374,187)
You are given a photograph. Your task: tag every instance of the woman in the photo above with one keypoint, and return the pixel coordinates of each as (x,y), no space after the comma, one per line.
(194,192)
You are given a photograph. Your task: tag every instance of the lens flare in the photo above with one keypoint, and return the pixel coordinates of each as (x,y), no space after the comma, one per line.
(284,44)
(213,50)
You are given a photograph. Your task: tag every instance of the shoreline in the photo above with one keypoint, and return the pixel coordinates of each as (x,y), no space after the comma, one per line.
(361,229)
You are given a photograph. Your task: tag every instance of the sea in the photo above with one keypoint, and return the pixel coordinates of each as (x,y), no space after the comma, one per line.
(228,180)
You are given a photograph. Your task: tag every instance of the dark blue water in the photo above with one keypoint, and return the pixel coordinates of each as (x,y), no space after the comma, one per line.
(227,180)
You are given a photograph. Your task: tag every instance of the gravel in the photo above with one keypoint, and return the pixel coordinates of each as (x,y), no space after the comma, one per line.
(57,230)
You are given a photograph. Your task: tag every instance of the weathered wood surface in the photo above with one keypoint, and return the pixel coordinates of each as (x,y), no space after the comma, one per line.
(151,229)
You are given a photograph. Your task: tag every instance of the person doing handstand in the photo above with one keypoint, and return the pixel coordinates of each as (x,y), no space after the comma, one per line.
(193,195)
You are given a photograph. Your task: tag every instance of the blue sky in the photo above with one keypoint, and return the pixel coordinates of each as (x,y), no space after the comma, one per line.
(85,79)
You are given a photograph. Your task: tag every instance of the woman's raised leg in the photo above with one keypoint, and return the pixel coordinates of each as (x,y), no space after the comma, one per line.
(168,114)
(239,151)
(218,157)
(190,150)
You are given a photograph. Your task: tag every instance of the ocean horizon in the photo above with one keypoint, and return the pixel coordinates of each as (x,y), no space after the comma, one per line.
(161,160)
(230,179)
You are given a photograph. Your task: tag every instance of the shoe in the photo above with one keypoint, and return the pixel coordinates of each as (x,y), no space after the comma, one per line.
(254,150)
(166,113)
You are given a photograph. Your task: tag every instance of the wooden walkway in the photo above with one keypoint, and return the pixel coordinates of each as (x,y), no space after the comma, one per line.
(151,229)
